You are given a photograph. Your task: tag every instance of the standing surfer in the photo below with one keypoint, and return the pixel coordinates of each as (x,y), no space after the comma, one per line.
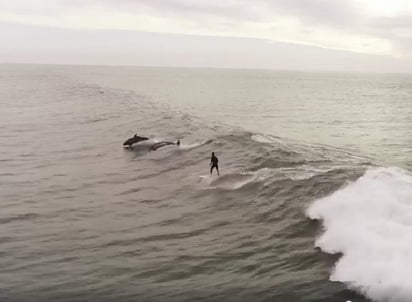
(214,163)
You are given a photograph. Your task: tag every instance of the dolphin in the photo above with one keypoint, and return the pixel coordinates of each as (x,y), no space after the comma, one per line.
(158,145)
(133,140)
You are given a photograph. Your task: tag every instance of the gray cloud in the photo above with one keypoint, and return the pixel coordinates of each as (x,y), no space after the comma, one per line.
(398,30)
(322,12)
(333,13)
(329,12)
(336,14)
(392,23)
(71,46)
(230,14)
(240,9)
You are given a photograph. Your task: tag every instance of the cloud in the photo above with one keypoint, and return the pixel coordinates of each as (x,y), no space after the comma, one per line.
(355,25)
(332,12)
(114,47)
(320,12)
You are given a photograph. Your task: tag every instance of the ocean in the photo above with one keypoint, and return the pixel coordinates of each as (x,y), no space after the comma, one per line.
(314,201)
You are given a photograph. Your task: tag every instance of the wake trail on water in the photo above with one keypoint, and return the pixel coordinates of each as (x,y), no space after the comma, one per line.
(369,222)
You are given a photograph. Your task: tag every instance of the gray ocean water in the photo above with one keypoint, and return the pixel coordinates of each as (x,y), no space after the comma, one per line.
(314,202)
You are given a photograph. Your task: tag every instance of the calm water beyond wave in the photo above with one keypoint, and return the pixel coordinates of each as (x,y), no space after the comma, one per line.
(314,202)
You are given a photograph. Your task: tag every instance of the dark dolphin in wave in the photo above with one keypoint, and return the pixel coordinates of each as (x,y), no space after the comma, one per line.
(135,139)
(158,145)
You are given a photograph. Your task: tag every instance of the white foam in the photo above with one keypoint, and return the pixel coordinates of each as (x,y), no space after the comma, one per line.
(305,171)
(264,138)
(234,181)
(370,223)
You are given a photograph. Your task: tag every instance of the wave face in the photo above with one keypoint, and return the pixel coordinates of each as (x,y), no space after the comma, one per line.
(369,222)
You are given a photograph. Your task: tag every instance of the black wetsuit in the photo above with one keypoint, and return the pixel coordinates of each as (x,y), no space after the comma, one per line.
(214,164)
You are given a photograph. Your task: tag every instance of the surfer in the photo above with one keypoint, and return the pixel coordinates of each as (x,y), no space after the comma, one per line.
(158,145)
(214,163)
(133,140)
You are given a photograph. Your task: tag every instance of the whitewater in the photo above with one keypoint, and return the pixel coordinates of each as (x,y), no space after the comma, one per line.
(369,222)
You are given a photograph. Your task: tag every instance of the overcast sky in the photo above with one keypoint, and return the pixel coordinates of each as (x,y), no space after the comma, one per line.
(367,35)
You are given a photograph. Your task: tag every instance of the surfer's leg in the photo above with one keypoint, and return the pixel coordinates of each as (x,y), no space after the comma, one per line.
(217,169)
(211,170)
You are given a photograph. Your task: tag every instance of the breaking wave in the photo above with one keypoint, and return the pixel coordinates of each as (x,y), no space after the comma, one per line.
(369,222)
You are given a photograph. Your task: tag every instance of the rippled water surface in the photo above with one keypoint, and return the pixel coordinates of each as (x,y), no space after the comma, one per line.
(315,179)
